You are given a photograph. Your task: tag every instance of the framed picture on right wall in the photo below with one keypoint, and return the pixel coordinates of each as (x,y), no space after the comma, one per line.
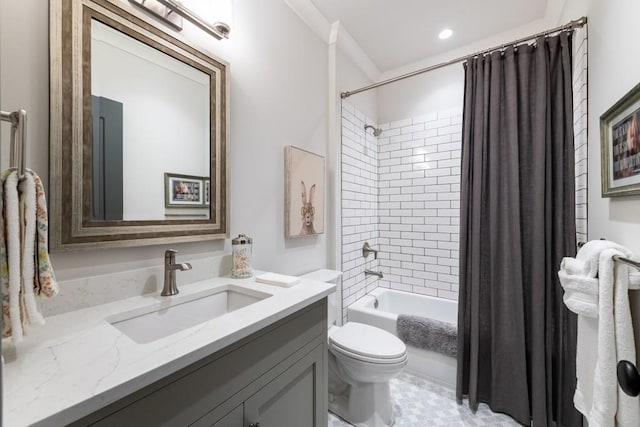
(620,146)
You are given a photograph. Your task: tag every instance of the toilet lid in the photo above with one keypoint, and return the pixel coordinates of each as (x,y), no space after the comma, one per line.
(367,341)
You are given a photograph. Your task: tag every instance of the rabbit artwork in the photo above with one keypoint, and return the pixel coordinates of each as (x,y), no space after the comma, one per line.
(307,211)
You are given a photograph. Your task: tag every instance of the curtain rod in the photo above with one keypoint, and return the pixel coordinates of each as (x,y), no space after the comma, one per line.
(578,23)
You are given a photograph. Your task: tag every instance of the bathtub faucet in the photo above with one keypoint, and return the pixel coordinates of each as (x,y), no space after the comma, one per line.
(366,250)
(368,272)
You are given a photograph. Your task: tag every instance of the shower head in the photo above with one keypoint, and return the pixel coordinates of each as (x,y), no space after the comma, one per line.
(376,131)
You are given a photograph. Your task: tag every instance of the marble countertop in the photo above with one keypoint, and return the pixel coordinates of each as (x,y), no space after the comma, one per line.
(78,363)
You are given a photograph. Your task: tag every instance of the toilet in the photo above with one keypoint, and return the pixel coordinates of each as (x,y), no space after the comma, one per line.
(362,360)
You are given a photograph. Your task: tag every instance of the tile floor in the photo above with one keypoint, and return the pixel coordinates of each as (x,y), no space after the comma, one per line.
(419,403)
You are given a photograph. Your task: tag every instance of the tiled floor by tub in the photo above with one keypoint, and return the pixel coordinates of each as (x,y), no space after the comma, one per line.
(420,403)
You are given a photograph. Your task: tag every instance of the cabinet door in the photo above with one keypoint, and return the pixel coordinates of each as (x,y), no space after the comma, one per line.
(293,399)
(232,419)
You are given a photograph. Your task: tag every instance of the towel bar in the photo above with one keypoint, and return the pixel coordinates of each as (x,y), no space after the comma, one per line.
(17,154)
(627,261)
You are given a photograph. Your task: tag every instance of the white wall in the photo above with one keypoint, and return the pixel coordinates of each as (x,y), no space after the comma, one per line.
(278,97)
(350,77)
(158,89)
(613,32)
(442,88)
(438,90)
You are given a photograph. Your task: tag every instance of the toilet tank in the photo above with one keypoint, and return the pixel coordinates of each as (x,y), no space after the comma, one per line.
(334,308)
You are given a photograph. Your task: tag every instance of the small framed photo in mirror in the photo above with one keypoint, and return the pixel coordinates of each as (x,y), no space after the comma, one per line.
(207,192)
(183,190)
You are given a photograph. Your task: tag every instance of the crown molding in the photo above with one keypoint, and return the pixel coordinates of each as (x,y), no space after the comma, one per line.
(335,33)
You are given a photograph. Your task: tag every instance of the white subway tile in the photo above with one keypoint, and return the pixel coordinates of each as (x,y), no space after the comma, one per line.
(449,130)
(413,128)
(401,138)
(426,150)
(400,123)
(425,228)
(426,118)
(425,291)
(438,123)
(427,275)
(449,163)
(447,294)
(413,251)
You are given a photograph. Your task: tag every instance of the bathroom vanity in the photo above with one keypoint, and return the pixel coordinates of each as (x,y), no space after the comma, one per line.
(264,361)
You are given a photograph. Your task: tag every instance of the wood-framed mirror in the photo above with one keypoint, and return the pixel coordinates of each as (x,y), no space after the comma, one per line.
(138,131)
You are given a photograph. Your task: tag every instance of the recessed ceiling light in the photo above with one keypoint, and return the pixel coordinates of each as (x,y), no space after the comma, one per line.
(445,34)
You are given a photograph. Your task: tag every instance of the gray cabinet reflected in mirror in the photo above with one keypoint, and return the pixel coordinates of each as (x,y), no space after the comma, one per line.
(130,106)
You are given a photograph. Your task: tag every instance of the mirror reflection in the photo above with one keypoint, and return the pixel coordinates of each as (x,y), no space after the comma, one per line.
(150,156)
(138,131)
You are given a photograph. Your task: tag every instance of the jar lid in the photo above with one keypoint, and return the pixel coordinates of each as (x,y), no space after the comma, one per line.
(242,239)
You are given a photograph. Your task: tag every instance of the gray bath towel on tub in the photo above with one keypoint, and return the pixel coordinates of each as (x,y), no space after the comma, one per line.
(430,334)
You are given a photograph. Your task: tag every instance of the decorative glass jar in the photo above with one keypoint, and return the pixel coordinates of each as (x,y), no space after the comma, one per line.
(241,263)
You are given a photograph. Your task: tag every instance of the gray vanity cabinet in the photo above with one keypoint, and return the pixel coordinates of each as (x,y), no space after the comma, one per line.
(290,400)
(234,418)
(276,377)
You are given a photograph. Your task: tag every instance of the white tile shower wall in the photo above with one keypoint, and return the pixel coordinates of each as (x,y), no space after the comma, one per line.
(580,118)
(359,204)
(419,203)
(418,195)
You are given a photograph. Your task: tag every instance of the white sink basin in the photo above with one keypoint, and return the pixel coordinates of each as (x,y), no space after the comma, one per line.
(160,320)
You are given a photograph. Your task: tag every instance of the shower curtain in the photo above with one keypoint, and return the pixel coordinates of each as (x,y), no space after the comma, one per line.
(516,340)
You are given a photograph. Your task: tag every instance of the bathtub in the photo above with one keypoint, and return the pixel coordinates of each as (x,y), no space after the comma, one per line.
(427,364)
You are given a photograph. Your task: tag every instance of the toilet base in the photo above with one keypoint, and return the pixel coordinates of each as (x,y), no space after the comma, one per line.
(365,405)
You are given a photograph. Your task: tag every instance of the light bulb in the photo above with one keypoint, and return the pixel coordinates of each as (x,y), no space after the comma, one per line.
(445,34)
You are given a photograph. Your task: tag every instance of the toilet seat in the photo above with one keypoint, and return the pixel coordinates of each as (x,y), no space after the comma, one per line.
(368,344)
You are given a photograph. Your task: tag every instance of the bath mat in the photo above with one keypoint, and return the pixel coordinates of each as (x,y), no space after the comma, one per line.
(429,334)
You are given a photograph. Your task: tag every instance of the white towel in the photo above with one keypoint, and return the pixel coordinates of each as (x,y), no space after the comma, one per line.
(581,303)
(12,237)
(586,261)
(628,413)
(579,280)
(605,334)
(278,279)
(23,247)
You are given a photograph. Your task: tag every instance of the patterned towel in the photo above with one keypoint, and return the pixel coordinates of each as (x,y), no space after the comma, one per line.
(45,278)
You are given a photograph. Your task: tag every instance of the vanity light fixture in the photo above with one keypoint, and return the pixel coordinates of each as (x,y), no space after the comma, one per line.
(161,12)
(445,34)
(172,11)
(219,30)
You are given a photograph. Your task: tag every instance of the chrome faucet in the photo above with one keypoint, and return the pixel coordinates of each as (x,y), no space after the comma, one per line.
(368,272)
(170,268)
(366,250)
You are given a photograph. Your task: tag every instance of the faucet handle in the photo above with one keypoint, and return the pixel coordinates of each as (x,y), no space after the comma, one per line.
(367,249)
(170,254)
